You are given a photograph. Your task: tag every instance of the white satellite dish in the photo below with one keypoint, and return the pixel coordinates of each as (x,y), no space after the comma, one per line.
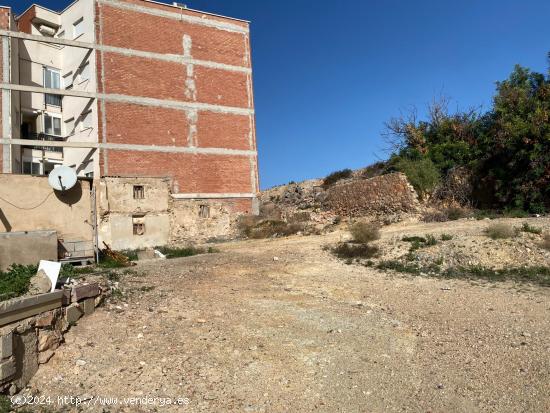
(62,178)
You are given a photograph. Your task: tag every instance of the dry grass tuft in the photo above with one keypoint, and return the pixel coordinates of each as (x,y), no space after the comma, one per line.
(500,231)
(364,232)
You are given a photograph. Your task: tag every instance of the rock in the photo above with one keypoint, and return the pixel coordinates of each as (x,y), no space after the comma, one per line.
(275,258)
(45,356)
(48,340)
(45,319)
(80,363)
(73,313)
(40,283)
(201,320)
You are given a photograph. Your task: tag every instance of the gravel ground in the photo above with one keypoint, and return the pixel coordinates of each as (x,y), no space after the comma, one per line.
(281,326)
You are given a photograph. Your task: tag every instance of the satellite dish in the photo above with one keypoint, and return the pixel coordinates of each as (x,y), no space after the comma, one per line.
(62,178)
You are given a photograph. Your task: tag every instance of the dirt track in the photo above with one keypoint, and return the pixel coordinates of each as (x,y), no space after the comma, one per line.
(241,330)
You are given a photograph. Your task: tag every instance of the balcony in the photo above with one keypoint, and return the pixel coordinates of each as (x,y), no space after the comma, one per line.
(45,137)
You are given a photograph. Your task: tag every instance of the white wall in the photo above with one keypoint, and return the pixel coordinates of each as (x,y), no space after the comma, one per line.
(33,56)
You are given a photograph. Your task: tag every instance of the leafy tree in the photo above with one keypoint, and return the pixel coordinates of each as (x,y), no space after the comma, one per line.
(507,148)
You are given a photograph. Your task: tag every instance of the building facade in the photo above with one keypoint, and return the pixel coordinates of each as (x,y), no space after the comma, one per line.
(132,89)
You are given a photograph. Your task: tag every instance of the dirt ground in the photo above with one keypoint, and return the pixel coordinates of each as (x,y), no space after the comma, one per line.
(280,325)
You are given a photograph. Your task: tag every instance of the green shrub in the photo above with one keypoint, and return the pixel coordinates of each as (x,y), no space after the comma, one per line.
(430,240)
(422,174)
(347,250)
(446,237)
(500,231)
(178,252)
(364,232)
(15,281)
(336,176)
(455,213)
(528,228)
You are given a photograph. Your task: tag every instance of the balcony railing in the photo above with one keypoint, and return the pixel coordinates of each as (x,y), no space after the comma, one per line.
(45,137)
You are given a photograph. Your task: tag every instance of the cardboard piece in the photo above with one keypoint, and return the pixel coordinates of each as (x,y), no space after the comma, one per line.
(52,269)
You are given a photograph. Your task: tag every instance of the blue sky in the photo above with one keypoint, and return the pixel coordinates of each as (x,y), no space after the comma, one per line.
(328,74)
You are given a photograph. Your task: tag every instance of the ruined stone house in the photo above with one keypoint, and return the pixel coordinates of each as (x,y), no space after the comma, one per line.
(151,103)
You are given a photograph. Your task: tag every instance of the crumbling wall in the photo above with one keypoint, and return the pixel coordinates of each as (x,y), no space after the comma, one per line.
(205,219)
(384,194)
(32,328)
(134,212)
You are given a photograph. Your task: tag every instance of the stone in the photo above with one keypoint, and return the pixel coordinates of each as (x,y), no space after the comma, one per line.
(7,369)
(79,292)
(45,356)
(6,345)
(40,283)
(88,306)
(73,313)
(48,340)
(45,319)
(80,363)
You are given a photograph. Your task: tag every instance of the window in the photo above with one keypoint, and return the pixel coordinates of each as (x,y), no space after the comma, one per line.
(139,192)
(78,27)
(52,125)
(86,120)
(31,168)
(204,211)
(138,224)
(52,80)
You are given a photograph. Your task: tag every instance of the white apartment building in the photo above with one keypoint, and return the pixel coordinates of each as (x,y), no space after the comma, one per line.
(51,117)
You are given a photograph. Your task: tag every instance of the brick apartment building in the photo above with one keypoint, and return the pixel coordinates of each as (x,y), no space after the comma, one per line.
(132,89)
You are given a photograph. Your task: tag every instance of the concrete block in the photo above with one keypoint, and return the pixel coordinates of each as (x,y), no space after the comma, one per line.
(25,307)
(25,350)
(7,369)
(88,305)
(73,313)
(80,292)
(147,254)
(6,345)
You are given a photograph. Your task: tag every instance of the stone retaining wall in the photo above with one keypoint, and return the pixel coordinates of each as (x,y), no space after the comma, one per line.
(32,328)
(384,194)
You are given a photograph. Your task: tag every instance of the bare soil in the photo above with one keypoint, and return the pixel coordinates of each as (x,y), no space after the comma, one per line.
(280,325)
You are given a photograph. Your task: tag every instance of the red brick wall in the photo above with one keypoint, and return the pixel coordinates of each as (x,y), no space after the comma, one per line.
(142,77)
(139,31)
(191,173)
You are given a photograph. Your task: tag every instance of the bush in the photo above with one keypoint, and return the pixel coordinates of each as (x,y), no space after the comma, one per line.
(268,228)
(177,252)
(15,281)
(422,174)
(455,213)
(546,242)
(528,228)
(336,176)
(446,237)
(364,232)
(435,216)
(500,231)
(346,250)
